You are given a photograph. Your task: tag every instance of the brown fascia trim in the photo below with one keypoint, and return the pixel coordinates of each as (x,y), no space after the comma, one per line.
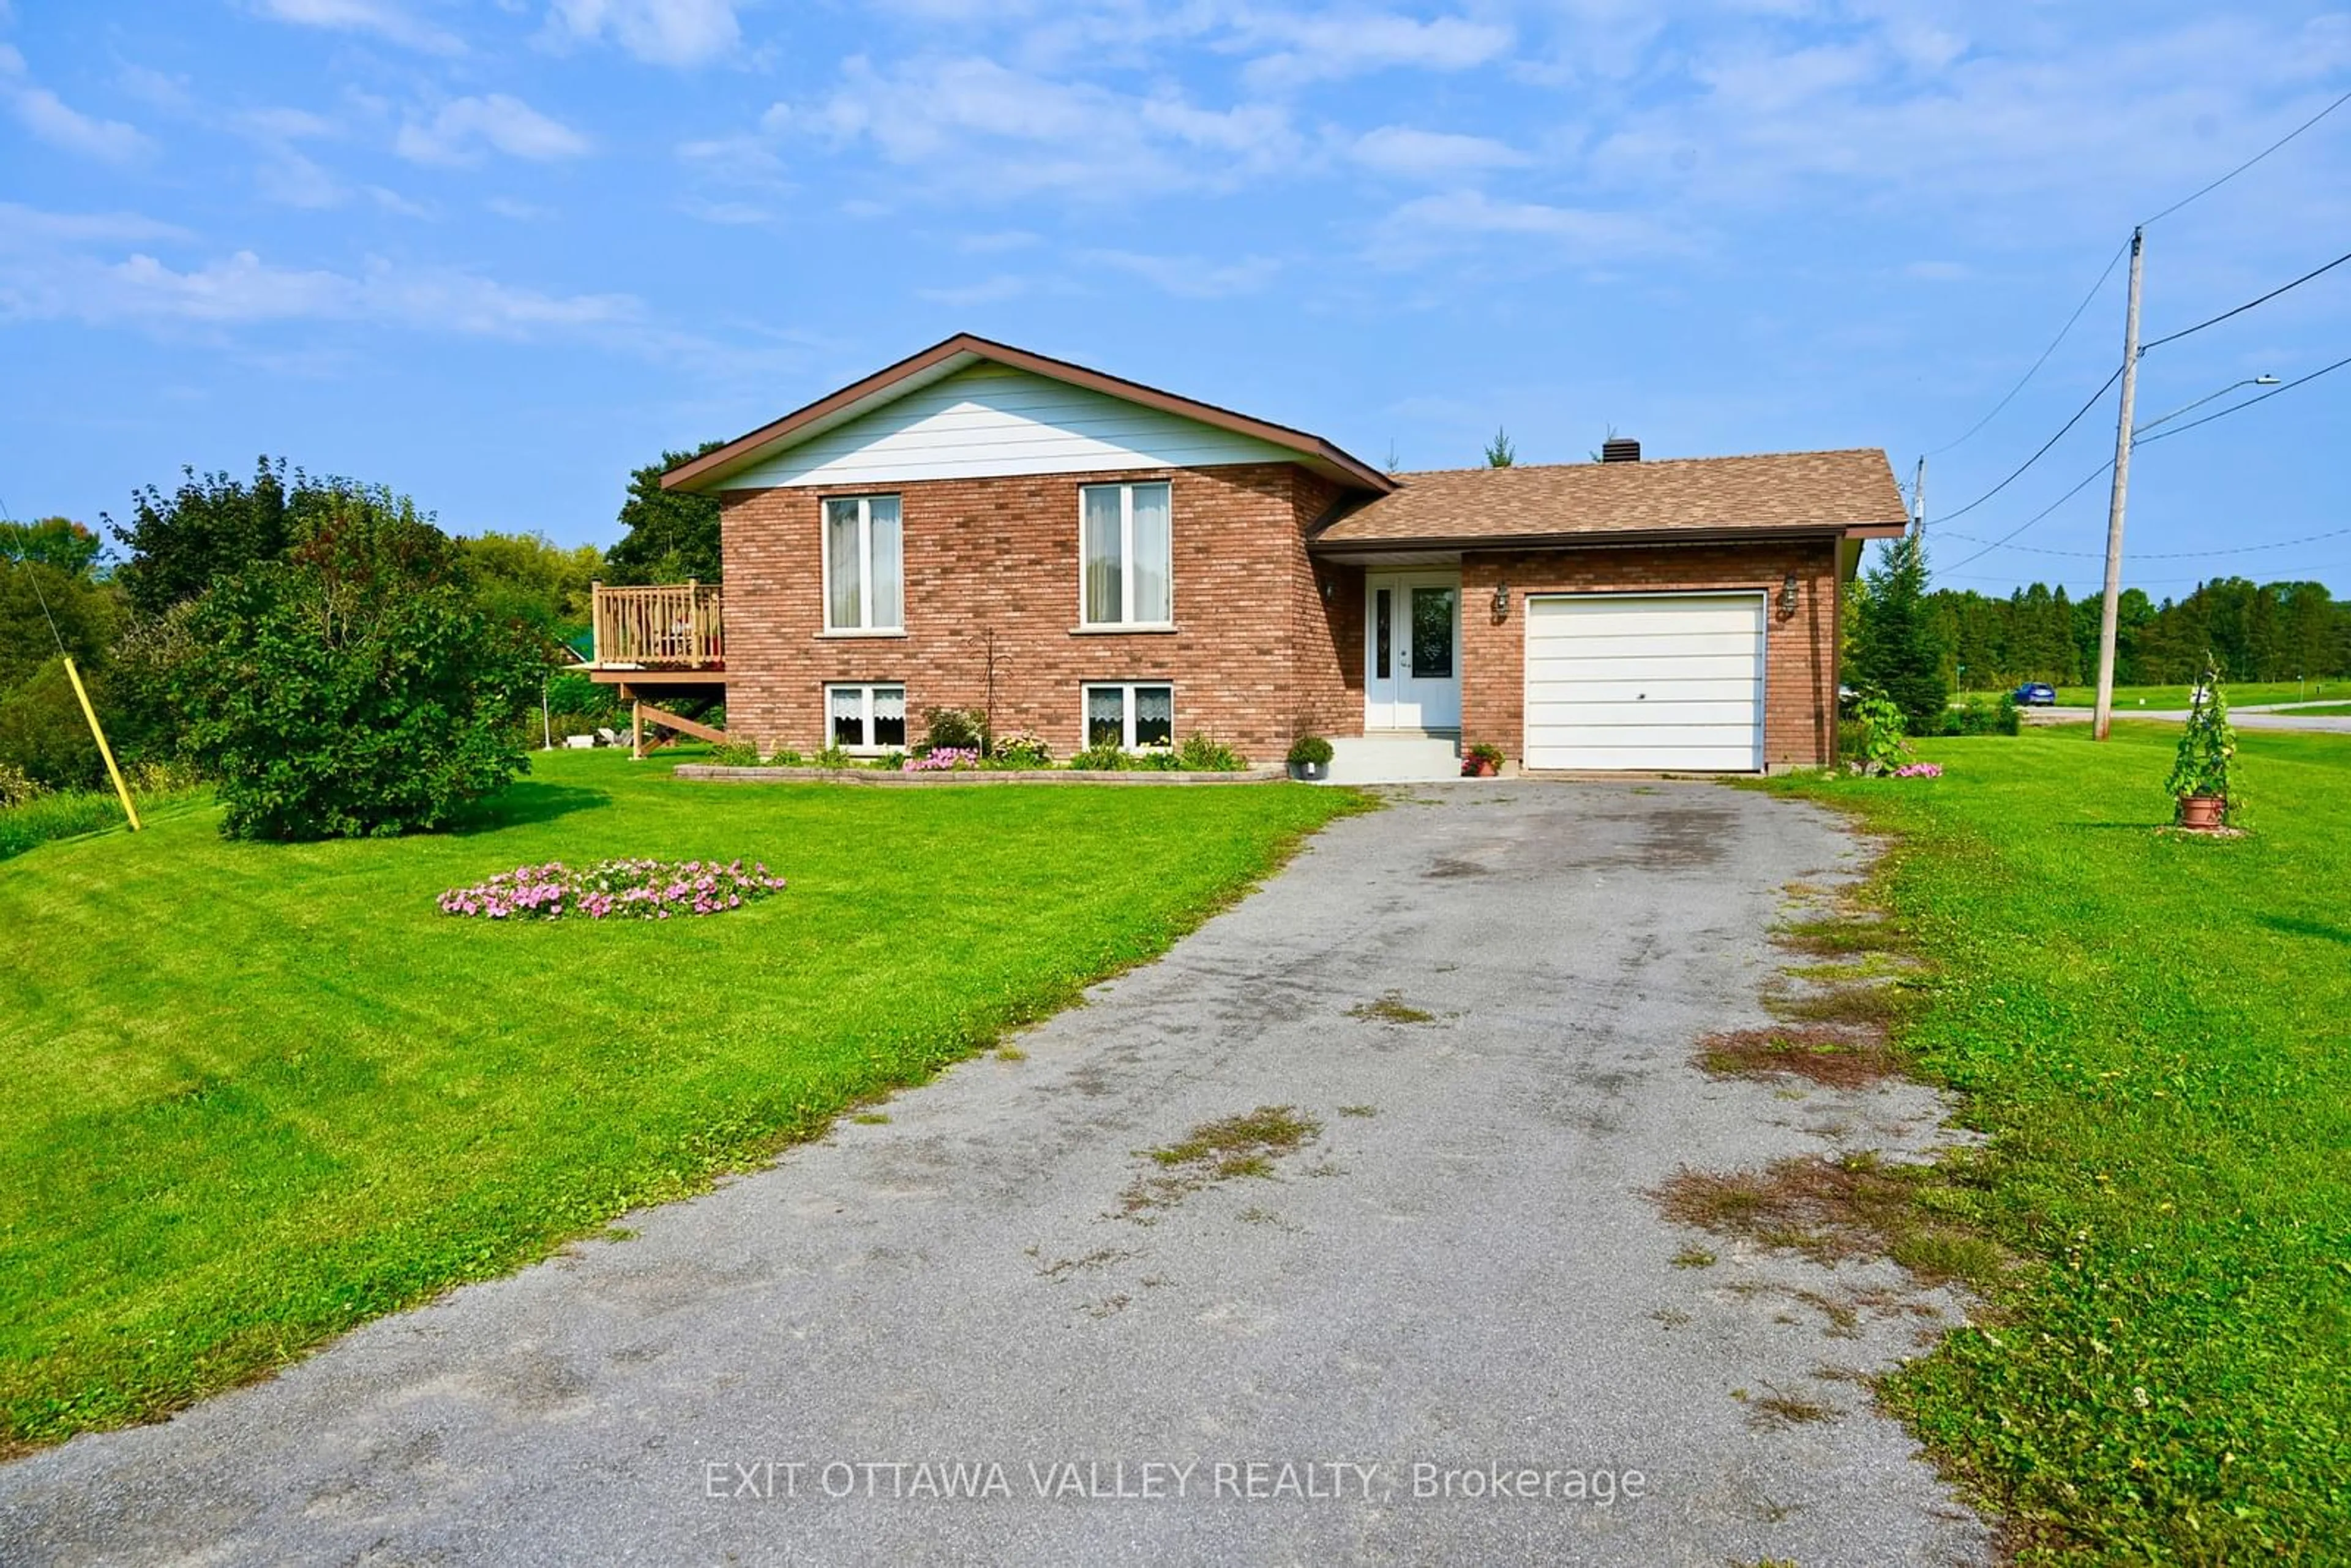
(684,474)
(1490,544)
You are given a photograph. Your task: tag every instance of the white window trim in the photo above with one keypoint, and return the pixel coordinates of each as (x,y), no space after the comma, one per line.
(1127,690)
(871,747)
(1127,623)
(864,563)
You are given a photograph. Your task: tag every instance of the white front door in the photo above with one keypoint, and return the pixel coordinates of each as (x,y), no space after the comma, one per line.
(1412,650)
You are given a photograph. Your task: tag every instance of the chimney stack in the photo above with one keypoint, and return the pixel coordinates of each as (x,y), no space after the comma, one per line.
(1620,449)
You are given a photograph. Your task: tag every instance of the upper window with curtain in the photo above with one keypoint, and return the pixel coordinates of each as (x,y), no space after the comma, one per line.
(1126,551)
(863,582)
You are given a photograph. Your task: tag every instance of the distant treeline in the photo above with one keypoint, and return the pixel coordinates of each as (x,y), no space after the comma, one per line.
(2269,632)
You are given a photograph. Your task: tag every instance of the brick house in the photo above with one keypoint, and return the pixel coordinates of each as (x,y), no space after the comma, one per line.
(1089,558)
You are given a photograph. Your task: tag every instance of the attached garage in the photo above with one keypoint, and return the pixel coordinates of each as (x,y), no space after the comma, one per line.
(1646,682)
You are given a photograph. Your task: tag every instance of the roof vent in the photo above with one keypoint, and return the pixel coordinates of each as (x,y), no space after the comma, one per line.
(1620,449)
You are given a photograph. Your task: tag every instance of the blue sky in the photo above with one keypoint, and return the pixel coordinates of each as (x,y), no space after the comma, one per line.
(497,253)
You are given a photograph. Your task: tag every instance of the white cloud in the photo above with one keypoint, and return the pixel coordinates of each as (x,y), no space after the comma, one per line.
(398,205)
(60,124)
(382,18)
(660,32)
(244,290)
(1190,277)
(286,124)
(520,212)
(1464,220)
(970,126)
(1338,44)
(463,126)
(292,179)
(1403,151)
(23,224)
(986,291)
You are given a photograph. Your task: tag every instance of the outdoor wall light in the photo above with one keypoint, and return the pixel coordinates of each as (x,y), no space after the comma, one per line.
(1330,589)
(1787,596)
(1501,601)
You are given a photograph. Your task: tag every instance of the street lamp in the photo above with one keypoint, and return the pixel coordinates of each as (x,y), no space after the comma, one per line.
(2199,403)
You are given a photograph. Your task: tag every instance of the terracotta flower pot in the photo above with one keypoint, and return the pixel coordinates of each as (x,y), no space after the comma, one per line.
(2201,813)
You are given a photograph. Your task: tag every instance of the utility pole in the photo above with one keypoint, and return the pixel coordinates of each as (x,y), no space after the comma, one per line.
(2103,718)
(1918,496)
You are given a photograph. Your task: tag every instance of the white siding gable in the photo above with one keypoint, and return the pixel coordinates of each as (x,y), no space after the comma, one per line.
(990,420)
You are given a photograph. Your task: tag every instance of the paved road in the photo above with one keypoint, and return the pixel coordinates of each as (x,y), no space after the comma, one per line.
(1469,1278)
(2243,718)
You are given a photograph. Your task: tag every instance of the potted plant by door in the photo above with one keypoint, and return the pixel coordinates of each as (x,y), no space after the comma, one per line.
(2203,769)
(1482,760)
(1309,760)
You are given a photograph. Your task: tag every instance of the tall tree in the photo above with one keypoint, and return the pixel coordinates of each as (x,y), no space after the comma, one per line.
(58,542)
(211,526)
(357,686)
(525,577)
(1895,647)
(1501,452)
(667,537)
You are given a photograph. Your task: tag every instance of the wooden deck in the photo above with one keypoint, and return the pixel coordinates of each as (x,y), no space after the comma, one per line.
(664,634)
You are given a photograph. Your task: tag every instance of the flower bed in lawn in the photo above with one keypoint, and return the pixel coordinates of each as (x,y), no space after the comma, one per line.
(613,890)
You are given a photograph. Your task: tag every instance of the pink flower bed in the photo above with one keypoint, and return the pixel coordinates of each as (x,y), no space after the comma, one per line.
(613,890)
(943,760)
(1919,770)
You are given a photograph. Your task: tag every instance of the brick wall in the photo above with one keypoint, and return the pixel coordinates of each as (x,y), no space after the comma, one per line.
(1256,647)
(1800,660)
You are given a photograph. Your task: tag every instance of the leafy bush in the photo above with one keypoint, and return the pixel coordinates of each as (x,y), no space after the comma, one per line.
(613,890)
(786,757)
(1106,757)
(890,761)
(1883,748)
(16,786)
(1199,754)
(1311,750)
(832,756)
(2205,763)
(354,688)
(1487,754)
(735,754)
(43,733)
(1023,751)
(1979,716)
(962,728)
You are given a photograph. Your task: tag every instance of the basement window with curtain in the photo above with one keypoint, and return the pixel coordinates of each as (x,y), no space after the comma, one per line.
(866,718)
(1130,717)
(1127,557)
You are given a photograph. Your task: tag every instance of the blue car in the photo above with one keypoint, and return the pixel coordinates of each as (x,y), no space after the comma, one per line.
(2034,693)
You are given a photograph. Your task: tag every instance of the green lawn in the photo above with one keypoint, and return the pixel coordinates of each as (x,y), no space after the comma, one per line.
(260,1092)
(2156,1031)
(2324,710)
(2174,698)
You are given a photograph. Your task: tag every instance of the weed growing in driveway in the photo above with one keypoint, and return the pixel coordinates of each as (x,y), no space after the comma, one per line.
(1359,1110)
(1693,1257)
(1780,1408)
(1391,1007)
(1243,1145)
(1842,1058)
(1830,1210)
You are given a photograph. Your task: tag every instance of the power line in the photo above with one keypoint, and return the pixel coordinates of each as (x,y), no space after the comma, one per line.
(2043,360)
(2098,472)
(2208,190)
(2241,407)
(2018,471)
(2168,555)
(2248,305)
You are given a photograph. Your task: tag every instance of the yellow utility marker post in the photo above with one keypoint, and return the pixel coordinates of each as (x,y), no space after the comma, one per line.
(104,750)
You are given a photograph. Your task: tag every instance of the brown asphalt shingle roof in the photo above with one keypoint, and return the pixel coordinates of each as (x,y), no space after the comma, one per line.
(1824,490)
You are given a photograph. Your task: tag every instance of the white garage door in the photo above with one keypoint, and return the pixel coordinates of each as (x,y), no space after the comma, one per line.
(1644,680)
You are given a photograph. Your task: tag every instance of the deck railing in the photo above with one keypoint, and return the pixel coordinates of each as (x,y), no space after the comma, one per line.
(660,626)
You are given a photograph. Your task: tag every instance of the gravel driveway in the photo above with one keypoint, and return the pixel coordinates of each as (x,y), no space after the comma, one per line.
(1484,997)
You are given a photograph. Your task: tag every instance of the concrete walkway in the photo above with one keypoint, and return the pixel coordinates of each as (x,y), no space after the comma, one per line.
(1486,996)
